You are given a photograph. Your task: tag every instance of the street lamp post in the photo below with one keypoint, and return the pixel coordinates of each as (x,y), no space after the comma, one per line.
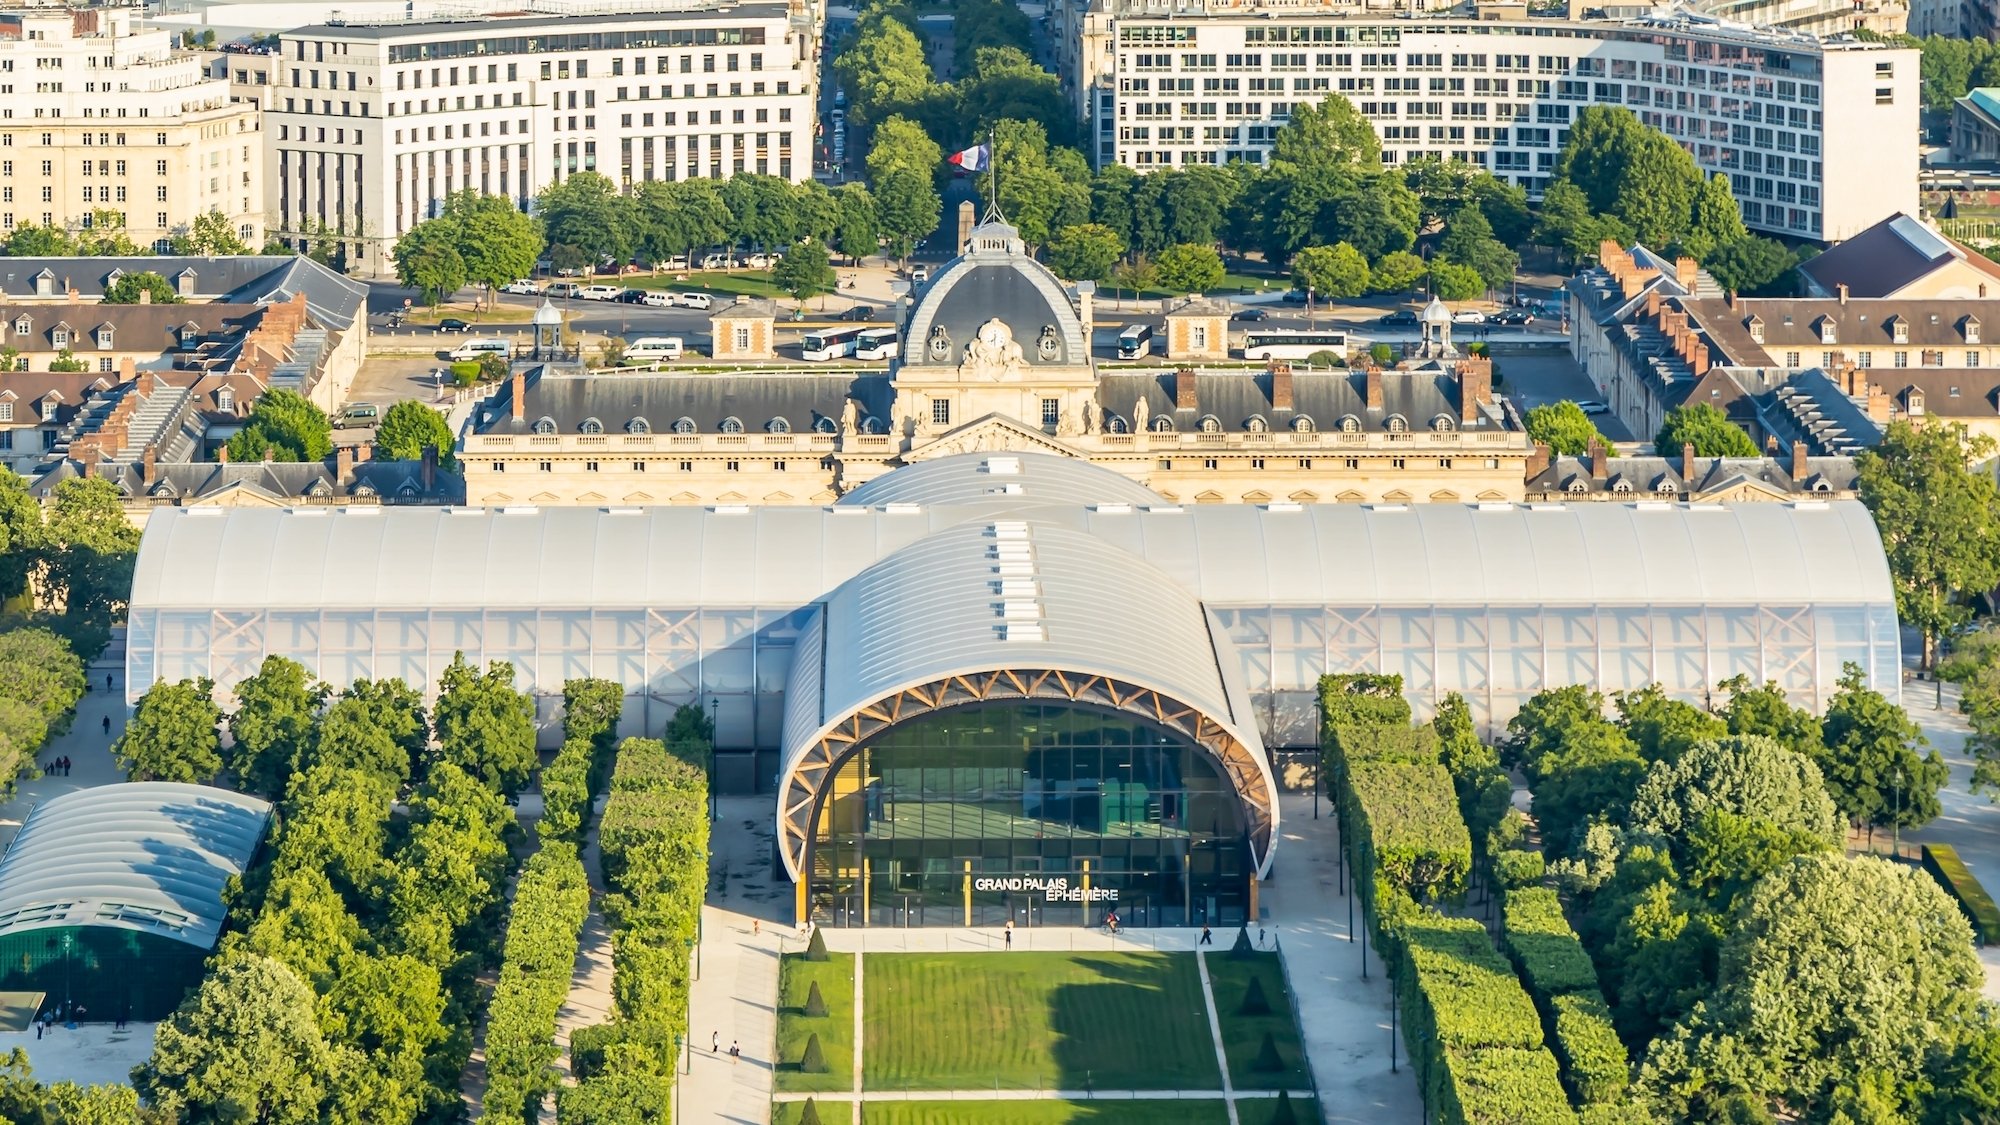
(714,714)
(1896,825)
(679,1041)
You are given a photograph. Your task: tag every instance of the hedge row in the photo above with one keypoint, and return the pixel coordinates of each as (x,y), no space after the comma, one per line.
(1958,881)
(1404,832)
(1563,981)
(654,839)
(550,903)
(1474,1036)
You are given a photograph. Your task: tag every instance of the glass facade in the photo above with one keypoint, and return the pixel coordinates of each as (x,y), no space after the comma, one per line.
(109,971)
(1051,814)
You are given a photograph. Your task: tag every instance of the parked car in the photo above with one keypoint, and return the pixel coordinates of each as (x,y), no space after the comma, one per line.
(920,274)
(677,262)
(657,299)
(1401,318)
(1251,313)
(858,312)
(1294,297)
(1593,407)
(563,289)
(601,292)
(758,261)
(633,296)
(1515,316)
(1468,316)
(694,301)
(358,415)
(453,324)
(521,286)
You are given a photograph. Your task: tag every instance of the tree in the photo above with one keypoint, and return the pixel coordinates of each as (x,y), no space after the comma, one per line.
(678,217)
(427,258)
(1870,758)
(1939,520)
(1747,776)
(1468,241)
(883,69)
(104,236)
(376,727)
(493,238)
(88,549)
(1716,220)
(22,534)
(31,241)
(857,231)
(276,712)
(209,235)
(1706,428)
(66,360)
(1326,138)
(1566,222)
(1397,272)
(287,425)
(1563,427)
(1187,268)
(1836,967)
(1763,710)
(246,1047)
(1331,271)
(126,290)
(1085,252)
(1631,171)
(407,428)
(804,271)
(1753,266)
(586,212)
(484,726)
(172,734)
(39,671)
(1454,282)
(899,142)
(908,207)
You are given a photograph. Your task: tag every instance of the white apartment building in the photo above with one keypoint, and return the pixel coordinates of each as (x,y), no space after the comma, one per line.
(371,126)
(1819,138)
(99,112)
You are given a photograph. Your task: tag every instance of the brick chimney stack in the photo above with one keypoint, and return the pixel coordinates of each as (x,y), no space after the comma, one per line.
(145,296)
(149,464)
(429,472)
(1687,462)
(128,369)
(519,395)
(270,454)
(1599,470)
(1685,271)
(1798,462)
(1374,376)
(1184,389)
(1539,460)
(1281,386)
(222,455)
(1842,289)
(343,465)
(1475,387)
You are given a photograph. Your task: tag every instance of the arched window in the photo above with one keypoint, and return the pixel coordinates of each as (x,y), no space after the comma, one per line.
(1163,425)
(590,426)
(1666,487)
(545,425)
(871,425)
(1398,424)
(1256,424)
(1443,424)
(1303,424)
(638,426)
(1116,424)
(683,425)
(1349,424)
(1210,424)
(778,426)
(1820,485)
(1622,487)
(1578,486)
(732,425)
(825,425)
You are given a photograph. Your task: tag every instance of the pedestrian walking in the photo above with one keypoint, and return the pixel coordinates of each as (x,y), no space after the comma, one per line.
(735,1053)
(38,1029)
(1260,937)
(65,761)
(756,927)
(1010,933)
(107,724)
(715,1042)
(1207,937)
(107,681)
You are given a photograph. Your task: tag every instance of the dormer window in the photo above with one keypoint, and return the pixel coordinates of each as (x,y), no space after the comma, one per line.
(45,284)
(824,425)
(1256,425)
(1302,424)
(1971,329)
(6,412)
(1210,424)
(1828,331)
(1162,424)
(732,425)
(1756,326)
(1899,330)
(1398,424)
(1349,424)
(189,333)
(184,283)
(638,426)
(104,337)
(683,425)
(545,425)
(1665,487)
(1442,423)
(1577,486)
(1622,487)
(1117,425)
(590,426)
(1916,402)
(59,336)
(778,426)
(225,400)
(23,326)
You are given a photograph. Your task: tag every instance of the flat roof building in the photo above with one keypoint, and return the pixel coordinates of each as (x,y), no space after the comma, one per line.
(1019,657)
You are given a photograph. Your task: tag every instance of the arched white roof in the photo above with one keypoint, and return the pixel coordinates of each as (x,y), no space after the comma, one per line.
(1036,479)
(149,856)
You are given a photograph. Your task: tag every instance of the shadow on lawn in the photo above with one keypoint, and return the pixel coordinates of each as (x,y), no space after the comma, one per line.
(1140,1025)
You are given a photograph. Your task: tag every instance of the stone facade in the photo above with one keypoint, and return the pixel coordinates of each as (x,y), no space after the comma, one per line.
(744,332)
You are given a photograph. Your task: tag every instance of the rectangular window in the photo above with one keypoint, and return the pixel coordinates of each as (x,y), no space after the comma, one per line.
(1051,411)
(940,412)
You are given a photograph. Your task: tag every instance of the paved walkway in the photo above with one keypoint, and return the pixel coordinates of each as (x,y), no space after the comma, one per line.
(735,997)
(589,1000)
(1346,1018)
(88,748)
(1967,821)
(986,1095)
(1215,1035)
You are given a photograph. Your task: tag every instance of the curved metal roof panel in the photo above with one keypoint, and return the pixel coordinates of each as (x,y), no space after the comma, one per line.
(1036,479)
(149,856)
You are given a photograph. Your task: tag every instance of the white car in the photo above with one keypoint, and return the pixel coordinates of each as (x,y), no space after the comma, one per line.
(601,292)
(523,287)
(694,300)
(758,261)
(1593,407)
(677,262)
(658,300)
(1468,316)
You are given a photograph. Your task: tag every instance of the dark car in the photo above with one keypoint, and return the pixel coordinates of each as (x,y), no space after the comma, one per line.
(1515,316)
(1250,314)
(1400,318)
(1295,296)
(858,312)
(453,324)
(632,296)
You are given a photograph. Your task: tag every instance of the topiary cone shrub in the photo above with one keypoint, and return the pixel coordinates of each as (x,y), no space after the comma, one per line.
(1255,1003)
(814,1060)
(815,1003)
(1281,1114)
(1267,1061)
(810,1114)
(1240,949)
(816,948)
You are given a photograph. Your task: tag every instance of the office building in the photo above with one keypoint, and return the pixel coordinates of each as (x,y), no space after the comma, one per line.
(101,113)
(372,125)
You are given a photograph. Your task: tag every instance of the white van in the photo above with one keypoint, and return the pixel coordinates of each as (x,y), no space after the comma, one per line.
(652,349)
(601,292)
(694,301)
(473,349)
(658,300)
(563,289)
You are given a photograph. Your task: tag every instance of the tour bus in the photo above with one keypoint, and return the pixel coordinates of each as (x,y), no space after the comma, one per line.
(1290,343)
(1136,342)
(473,349)
(876,343)
(830,343)
(653,349)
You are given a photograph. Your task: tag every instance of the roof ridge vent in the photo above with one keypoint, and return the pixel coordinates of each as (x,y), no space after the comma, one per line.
(902,509)
(1003,466)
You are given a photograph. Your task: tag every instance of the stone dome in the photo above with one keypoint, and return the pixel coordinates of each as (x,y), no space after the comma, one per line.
(995,279)
(1436,313)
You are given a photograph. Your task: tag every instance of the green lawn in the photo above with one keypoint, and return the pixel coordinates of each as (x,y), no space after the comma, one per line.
(756,283)
(1046,1113)
(1260,1111)
(830,1113)
(1037,1021)
(836,1031)
(1243,1035)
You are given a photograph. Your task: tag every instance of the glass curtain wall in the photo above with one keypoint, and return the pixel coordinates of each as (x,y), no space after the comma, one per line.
(1044,813)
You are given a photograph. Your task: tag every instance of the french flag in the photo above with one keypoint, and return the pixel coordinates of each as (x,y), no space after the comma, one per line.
(974,159)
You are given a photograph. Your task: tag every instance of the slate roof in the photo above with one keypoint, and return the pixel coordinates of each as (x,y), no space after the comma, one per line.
(1660,477)
(334,301)
(1886,257)
(995,278)
(28,390)
(1794,324)
(134,328)
(281,482)
(804,401)
(1813,409)
(1234,398)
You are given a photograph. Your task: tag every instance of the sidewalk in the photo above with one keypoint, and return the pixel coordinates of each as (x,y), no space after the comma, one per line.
(589,1000)
(735,998)
(87,746)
